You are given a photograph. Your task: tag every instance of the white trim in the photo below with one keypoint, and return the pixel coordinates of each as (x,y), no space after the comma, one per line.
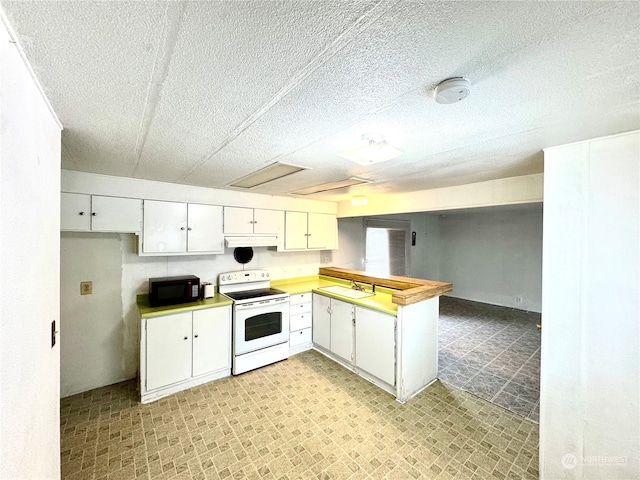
(14,40)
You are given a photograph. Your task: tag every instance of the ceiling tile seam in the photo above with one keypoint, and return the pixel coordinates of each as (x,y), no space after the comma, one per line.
(166,46)
(341,41)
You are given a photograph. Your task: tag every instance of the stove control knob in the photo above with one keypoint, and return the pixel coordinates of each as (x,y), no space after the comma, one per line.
(267,274)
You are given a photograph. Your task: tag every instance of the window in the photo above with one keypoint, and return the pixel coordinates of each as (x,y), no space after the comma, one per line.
(386,247)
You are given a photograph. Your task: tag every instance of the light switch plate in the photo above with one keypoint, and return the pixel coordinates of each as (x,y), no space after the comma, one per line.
(86,288)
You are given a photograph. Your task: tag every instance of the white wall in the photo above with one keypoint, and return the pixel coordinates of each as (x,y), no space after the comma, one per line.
(494,256)
(95,350)
(350,253)
(504,191)
(29,275)
(590,381)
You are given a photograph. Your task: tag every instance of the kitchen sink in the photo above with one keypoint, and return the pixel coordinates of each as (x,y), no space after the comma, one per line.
(347,292)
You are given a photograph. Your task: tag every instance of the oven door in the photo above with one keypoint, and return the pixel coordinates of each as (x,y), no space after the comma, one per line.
(260,324)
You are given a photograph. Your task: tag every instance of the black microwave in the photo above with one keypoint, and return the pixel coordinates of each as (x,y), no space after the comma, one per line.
(173,290)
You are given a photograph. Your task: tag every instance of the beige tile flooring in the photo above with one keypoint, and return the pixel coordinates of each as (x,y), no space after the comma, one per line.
(305,417)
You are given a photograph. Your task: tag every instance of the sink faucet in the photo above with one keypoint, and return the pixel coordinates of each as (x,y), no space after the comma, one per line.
(356,286)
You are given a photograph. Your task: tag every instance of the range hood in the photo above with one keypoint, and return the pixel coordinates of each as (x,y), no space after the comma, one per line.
(251,241)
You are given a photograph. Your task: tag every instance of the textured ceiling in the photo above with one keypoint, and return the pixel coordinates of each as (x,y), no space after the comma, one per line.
(203,93)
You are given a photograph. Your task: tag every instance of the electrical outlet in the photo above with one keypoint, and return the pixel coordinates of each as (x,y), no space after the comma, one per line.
(86,288)
(518,298)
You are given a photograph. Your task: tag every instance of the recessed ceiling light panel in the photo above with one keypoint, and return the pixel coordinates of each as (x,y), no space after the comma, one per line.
(330,186)
(452,90)
(267,174)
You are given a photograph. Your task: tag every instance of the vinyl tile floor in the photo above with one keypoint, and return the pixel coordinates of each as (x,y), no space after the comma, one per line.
(492,352)
(306,417)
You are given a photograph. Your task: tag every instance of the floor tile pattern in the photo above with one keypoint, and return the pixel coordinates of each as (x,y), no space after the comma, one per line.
(492,352)
(306,417)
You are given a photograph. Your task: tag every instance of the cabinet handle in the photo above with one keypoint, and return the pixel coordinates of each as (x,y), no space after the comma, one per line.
(186,338)
(80,213)
(189,228)
(181,228)
(94,214)
(196,336)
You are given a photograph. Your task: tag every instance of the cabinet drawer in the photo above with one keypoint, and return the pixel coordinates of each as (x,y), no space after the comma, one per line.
(300,308)
(298,322)
(299,298)
(300,337)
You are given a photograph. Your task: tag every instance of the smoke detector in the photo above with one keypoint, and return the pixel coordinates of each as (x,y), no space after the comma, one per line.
(452,90)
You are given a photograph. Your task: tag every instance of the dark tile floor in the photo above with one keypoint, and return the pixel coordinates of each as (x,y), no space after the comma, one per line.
(492,352)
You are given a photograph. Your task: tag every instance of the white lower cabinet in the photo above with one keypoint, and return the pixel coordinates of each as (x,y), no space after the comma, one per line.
(342,329)
(322,321)
(375,343)
(169,350)
(300,311)
(333,326)
(360,338)
(181,350)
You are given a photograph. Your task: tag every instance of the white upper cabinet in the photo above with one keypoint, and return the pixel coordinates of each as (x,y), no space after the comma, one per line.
(114,214)
(248,221)
(165,227)
(238,220)
(181,228)
(75,212)
(323,231)
(95,213)
(310,231)
(295,231)
(268,221)
(204,229)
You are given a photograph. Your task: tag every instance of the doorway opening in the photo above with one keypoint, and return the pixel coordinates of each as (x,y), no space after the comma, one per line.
(386,244)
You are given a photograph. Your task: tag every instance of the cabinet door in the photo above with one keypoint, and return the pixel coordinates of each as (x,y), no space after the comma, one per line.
(205,229)
(268,221)
(376,344)
(238,220)
(342,329)
(168,343)
(75,212)
(295,231)
(323,231)
(322,321)
(164,227)
(115,214)
(211,340)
